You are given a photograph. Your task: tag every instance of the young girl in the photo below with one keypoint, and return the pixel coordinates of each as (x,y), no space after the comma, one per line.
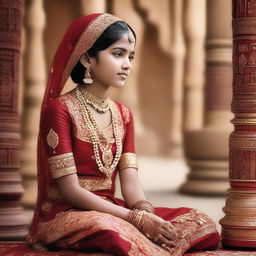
(85,139)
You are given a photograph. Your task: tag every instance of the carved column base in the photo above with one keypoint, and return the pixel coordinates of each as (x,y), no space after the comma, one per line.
(239,223)
(13,222)
(28,172)
(206,178)
(207,156)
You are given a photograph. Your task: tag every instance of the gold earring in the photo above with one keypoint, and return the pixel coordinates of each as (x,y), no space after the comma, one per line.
(87,76)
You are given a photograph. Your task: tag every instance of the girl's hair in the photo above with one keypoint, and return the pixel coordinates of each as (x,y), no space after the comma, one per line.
(109,36)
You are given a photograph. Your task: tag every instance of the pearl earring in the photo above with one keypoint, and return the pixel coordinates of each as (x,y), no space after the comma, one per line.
(87,76)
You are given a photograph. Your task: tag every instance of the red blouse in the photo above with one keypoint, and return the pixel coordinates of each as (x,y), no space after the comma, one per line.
(69,150)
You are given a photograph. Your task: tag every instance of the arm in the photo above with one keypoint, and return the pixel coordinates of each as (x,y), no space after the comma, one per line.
(130,187)
(86,200)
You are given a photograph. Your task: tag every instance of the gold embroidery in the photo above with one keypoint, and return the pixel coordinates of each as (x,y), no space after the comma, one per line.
(89,184)
(95,184)
(126,114)
(128,160)
(52,139)
(192,226)
(80,130)
(67,228)
(62,165)
(87,39)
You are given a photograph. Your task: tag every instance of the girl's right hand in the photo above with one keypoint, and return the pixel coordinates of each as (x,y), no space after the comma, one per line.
(158,230)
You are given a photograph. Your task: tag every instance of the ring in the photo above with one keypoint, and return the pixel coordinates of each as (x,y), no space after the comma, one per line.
(163,245)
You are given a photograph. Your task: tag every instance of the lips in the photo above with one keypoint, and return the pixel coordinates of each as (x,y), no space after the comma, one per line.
(122,74)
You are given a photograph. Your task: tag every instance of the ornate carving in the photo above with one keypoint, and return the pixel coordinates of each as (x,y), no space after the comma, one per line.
(240,205)
(244,26)
(242,142)
(12,221)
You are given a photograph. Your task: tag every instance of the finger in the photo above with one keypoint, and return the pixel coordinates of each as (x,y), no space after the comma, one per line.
(170,229)
(167,234)
(162,240)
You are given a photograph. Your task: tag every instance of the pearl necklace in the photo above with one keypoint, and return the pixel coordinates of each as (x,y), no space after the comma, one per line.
(94,131)
(100,105)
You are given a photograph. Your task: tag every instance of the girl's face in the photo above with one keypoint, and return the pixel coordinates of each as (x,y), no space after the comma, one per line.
(112,65)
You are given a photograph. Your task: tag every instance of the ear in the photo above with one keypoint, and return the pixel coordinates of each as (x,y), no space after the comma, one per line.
(85,60)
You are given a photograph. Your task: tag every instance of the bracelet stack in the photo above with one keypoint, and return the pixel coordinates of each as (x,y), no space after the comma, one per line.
(144,205)
(135,217)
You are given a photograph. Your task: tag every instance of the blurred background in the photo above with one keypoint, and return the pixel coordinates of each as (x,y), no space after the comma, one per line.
(179,90)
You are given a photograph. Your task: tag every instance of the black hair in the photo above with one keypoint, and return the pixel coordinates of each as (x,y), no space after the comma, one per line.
(109,36)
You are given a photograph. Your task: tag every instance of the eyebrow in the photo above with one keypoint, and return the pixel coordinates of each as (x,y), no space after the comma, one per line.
(122,49)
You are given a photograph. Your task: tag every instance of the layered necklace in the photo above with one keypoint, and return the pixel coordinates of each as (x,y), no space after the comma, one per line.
(108,163)
(100,105)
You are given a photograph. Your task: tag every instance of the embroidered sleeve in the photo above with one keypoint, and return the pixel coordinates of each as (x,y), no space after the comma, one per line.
(128,160)
(56,129)
(62,165)
(56,132)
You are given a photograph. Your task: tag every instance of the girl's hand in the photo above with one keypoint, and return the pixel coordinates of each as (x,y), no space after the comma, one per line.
(158,230)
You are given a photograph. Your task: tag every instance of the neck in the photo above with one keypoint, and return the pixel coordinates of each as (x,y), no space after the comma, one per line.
(101,92)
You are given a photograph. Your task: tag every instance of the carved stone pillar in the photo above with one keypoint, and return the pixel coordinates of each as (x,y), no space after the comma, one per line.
(206,149)
(194,33)
(239,223)
(13,223)
(34,84)
(177,52)
(93,6)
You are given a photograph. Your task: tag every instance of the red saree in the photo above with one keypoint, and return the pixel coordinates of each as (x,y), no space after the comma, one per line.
(65,147)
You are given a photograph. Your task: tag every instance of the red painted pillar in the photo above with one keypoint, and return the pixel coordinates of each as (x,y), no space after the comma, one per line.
(239,223)
(13,223)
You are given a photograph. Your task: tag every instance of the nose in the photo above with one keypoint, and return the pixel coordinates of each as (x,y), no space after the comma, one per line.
(126,64)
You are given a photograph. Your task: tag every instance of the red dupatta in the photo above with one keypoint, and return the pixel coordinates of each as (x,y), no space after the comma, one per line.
(80,37)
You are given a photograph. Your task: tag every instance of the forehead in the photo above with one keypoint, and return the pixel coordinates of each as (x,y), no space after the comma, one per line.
(126,41)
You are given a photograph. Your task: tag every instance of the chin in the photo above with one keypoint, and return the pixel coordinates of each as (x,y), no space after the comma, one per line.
(118,85)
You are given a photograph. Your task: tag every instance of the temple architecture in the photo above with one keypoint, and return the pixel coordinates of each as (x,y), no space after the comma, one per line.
(180,92)
(13,223)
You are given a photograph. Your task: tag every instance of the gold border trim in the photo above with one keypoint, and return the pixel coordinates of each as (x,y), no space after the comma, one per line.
(128,160)
(62,165)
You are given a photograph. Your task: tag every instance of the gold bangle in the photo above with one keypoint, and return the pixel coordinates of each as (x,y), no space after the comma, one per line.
(135,217)
(144,205)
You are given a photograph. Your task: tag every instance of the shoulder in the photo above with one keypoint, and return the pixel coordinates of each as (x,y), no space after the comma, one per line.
(59,104)
(125,112)
(56,109)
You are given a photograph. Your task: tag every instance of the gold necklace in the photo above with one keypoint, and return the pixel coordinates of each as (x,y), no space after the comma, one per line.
(106,167)
(100,105)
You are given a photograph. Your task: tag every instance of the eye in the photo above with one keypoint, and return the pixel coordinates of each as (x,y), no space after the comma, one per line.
(131,57)
(117,53)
